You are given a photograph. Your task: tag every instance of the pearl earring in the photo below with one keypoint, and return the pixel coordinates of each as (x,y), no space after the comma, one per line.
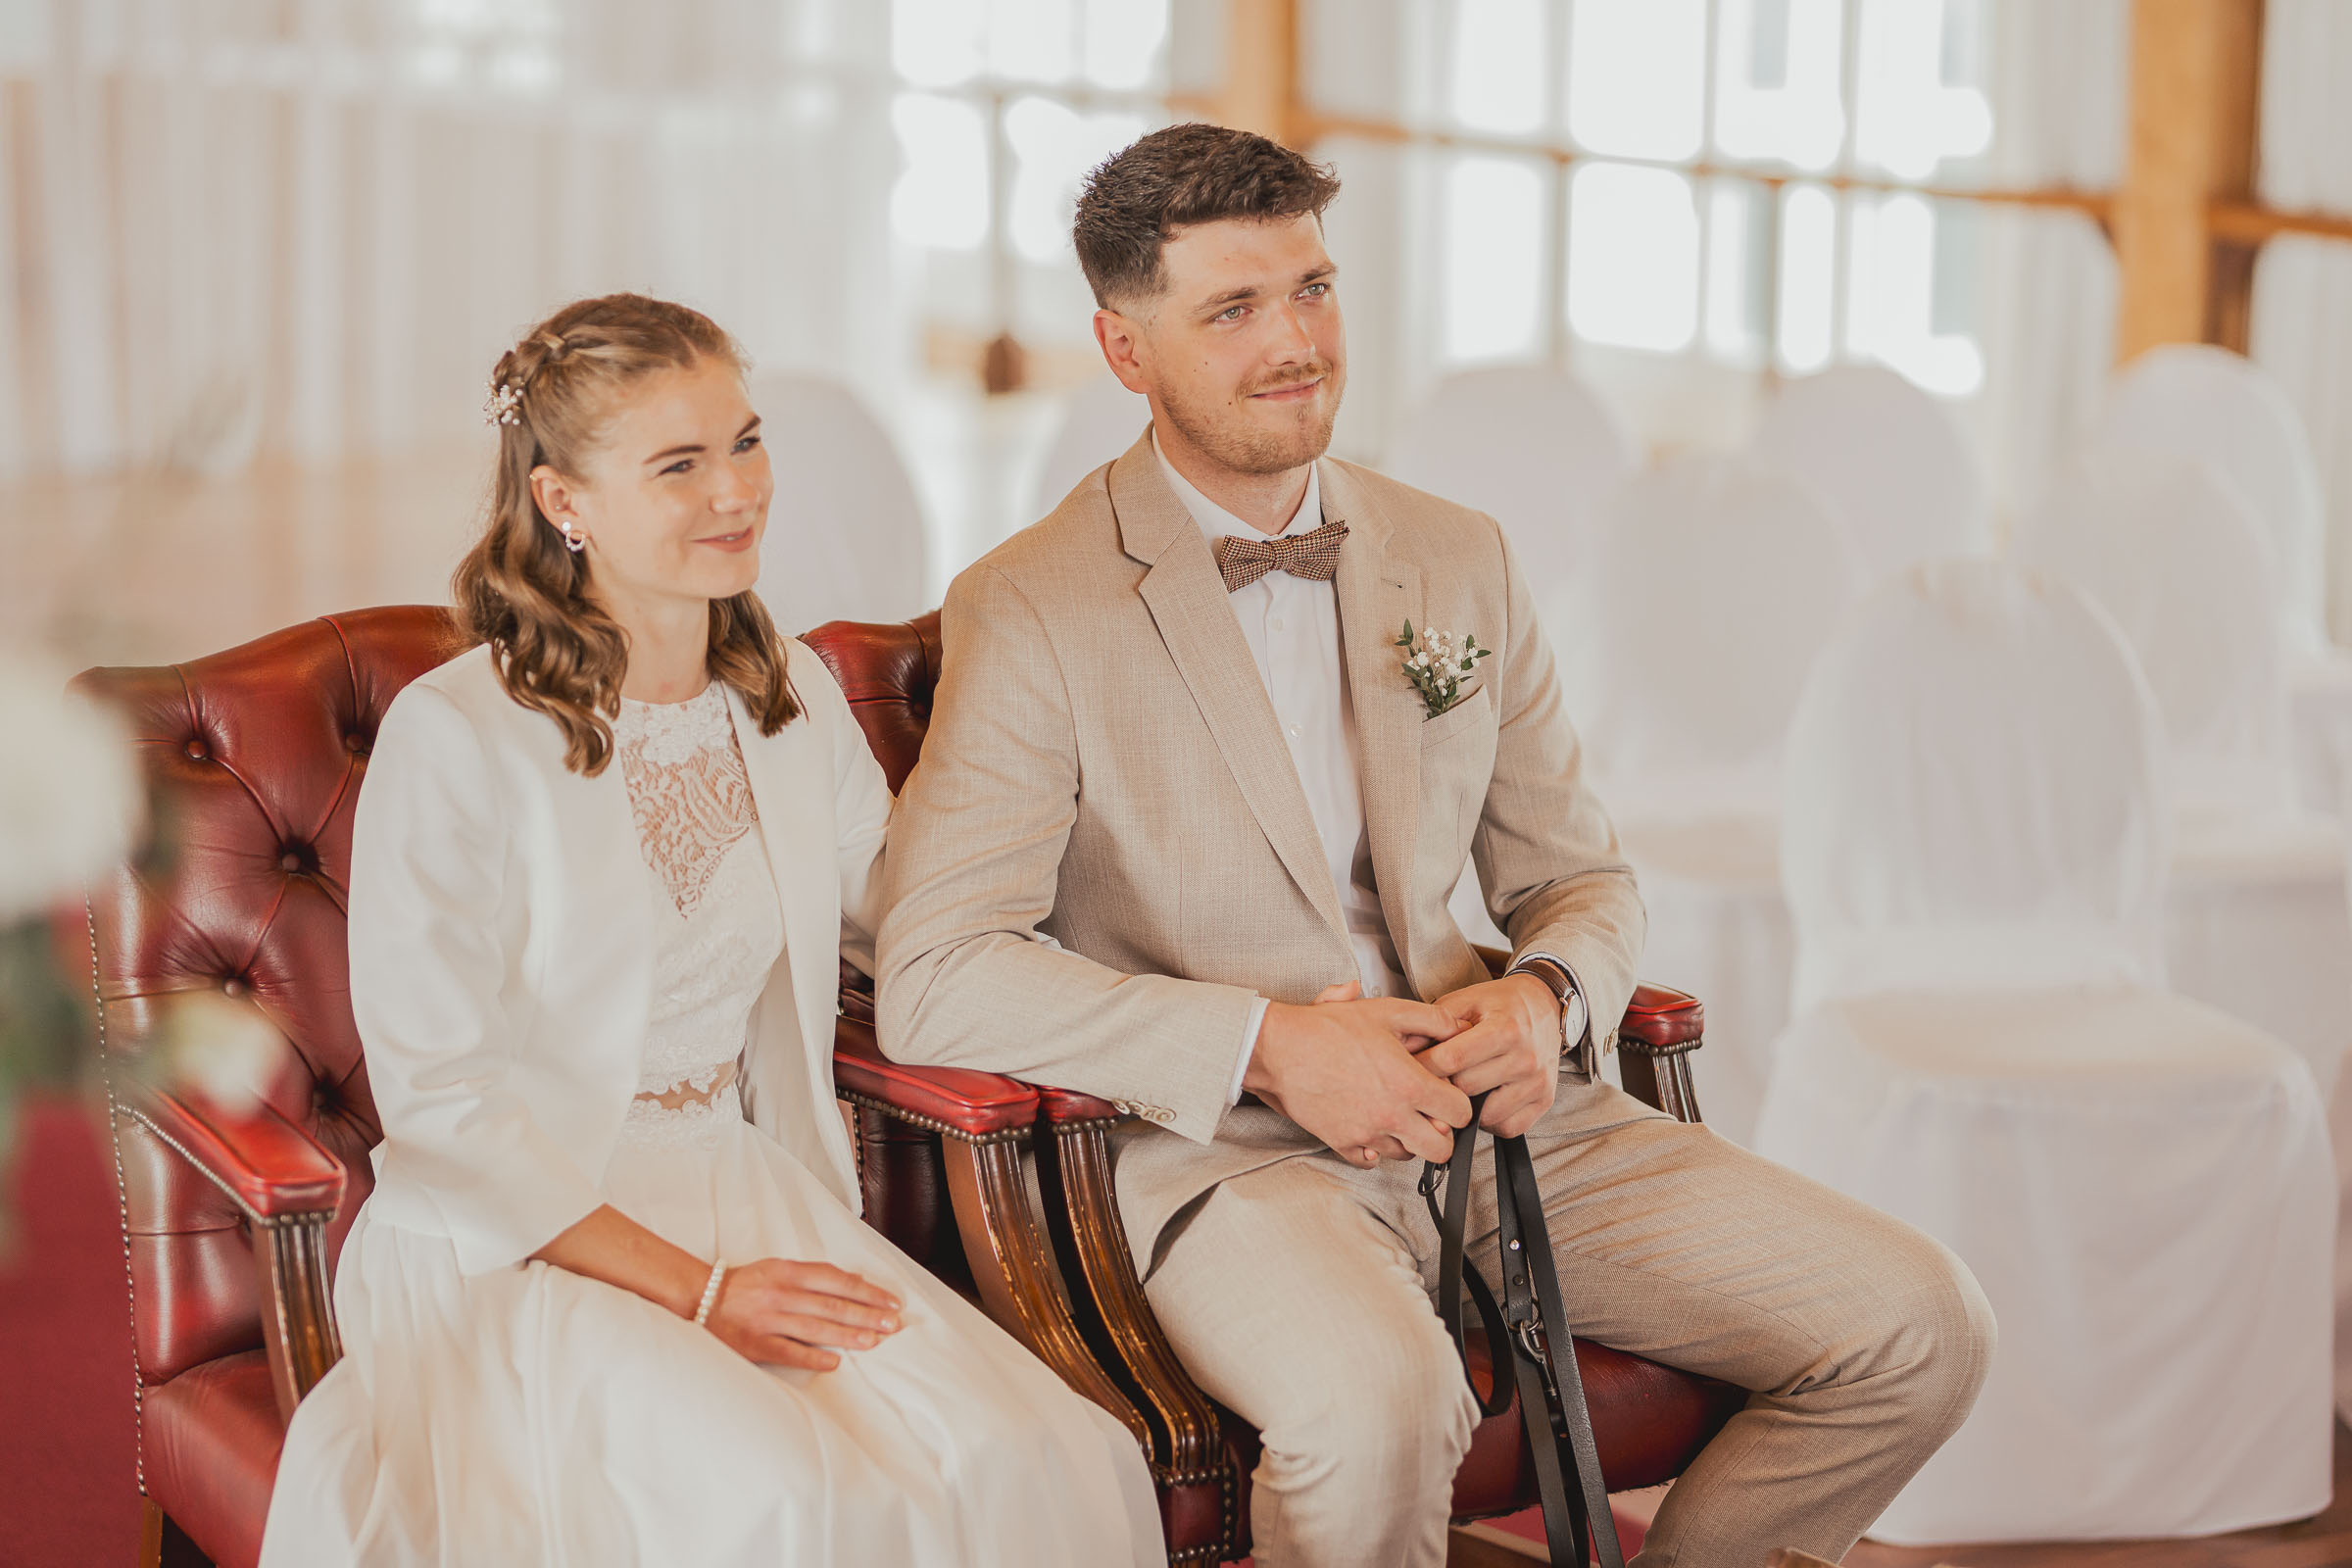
(574,542)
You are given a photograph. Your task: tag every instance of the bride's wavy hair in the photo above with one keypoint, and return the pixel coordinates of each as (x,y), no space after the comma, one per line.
(521,591)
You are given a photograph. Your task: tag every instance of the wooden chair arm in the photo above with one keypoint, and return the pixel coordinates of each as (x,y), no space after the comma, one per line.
(1185,1444)
(288,1188)
(980,1122)
(1654,1043)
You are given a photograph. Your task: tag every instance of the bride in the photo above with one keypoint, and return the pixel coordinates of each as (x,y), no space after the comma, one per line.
(609,1301)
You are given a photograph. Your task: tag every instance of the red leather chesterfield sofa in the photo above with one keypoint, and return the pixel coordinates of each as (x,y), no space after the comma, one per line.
(254,758)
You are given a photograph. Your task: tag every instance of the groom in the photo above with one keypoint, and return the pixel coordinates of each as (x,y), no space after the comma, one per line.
(1182,837)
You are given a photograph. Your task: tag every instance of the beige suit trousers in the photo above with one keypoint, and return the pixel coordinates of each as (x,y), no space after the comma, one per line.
(1300,1295)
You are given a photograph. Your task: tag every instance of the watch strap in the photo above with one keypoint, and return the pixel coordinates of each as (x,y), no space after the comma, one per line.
(1575,1049)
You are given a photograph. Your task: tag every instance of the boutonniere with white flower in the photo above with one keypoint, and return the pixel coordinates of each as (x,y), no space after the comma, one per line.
(1436,661)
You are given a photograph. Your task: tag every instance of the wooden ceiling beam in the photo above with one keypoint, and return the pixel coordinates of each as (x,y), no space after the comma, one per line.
(2195,98)
(1261,70)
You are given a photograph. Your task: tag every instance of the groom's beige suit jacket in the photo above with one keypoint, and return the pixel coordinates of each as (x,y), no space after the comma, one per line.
(1105,854)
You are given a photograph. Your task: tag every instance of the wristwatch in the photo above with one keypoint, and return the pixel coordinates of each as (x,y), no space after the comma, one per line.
(1576,1024)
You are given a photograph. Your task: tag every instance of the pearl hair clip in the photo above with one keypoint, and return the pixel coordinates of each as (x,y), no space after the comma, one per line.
(505,406)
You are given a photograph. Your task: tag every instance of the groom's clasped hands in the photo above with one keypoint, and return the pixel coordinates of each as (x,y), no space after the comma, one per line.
(1387,1078)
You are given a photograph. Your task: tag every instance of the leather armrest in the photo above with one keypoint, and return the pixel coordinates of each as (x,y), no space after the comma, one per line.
(959,1102)
(1063,1106)
(1659,1022)
(270,1167)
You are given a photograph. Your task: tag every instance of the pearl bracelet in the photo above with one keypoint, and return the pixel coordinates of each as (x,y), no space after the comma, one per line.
(702,1314)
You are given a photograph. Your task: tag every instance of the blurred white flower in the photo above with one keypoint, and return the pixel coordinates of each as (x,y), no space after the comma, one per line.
(69,796)
(220,1047)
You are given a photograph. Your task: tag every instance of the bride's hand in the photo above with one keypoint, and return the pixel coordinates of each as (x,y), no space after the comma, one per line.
(786,1313)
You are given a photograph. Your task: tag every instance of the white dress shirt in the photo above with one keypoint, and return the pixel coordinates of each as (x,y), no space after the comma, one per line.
(1293,628)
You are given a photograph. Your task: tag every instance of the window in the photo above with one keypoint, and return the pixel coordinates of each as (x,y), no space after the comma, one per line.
(1002,108)
(1751,181)
(507,44)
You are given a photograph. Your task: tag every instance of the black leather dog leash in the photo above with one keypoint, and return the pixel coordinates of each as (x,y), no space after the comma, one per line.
(1526,1327)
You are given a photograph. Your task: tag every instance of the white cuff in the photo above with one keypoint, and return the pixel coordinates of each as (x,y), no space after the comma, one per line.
(1240,1068)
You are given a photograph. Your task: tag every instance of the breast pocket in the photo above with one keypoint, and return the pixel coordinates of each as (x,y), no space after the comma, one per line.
(1464,714)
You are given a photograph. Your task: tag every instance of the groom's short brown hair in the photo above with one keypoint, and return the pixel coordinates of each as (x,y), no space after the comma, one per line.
(1134,203)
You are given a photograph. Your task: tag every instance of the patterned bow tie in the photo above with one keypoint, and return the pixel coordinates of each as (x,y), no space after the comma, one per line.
(1313,556)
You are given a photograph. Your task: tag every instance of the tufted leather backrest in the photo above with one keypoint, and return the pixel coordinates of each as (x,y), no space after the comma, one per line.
(254,759)
(888,672)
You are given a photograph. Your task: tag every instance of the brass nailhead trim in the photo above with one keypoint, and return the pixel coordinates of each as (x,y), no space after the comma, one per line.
(1187,1478)
(913,1118)
(1643,1048)
(114,1139)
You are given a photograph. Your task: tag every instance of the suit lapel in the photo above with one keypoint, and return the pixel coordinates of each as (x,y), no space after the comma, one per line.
(1186,595)
(1378,594)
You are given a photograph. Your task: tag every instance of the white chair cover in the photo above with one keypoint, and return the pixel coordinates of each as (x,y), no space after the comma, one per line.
(2176,558)
(1536,450)
(2257,922)
(2319,697)
(1974,794)
(2197,400)
(1973,847)
(1685,646)
(2261,919)
(1891,462)
(1683,649)
(1101,420)
(1533,448)
(2210,402)
(845,532)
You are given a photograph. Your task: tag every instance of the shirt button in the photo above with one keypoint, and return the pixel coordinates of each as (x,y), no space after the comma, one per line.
(1276,623)
(1294,732)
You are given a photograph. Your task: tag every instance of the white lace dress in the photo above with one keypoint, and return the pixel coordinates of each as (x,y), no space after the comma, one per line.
(532,1415)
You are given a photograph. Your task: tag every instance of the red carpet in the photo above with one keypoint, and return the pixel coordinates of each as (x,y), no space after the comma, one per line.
(69,1497)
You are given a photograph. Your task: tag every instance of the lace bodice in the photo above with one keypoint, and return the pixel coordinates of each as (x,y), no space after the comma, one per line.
(719,927)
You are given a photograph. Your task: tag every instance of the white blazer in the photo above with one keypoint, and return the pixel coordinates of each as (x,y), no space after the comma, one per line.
(502,952)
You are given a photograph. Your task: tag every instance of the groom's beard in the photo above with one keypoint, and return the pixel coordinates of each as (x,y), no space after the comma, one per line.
(1243,448)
